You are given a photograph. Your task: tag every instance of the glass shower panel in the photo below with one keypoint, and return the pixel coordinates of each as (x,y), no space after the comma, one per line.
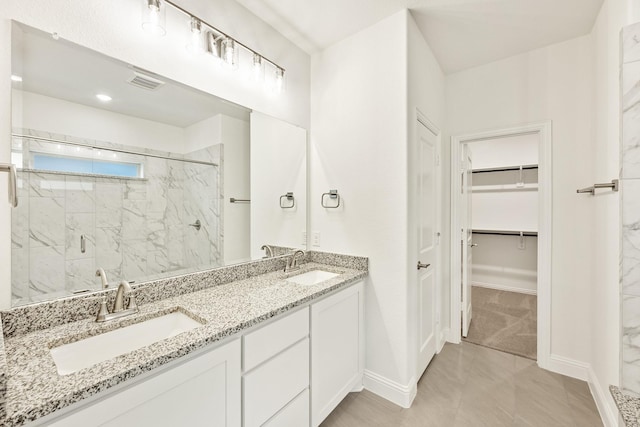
(134,215)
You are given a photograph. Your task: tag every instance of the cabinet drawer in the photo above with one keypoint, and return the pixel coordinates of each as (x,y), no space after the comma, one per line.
(269,340)
(296,413)
(270,387)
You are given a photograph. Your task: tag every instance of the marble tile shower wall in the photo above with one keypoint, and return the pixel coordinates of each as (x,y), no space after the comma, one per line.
(630,207)
(136,229)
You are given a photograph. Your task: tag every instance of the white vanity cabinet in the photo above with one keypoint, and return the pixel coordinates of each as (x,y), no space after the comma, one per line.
(291,371)
(315,352)
(203,391)
(337,350)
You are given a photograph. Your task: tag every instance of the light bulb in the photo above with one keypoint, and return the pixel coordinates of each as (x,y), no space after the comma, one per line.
(103,97)
(154,17)
(279,80)
(229,53)
(258,68)
(195,45)
(16,78)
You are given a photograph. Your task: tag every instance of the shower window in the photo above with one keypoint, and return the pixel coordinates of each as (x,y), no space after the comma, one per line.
(82,165)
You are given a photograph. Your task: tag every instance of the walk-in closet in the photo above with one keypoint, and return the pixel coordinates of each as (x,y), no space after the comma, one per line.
(504,243)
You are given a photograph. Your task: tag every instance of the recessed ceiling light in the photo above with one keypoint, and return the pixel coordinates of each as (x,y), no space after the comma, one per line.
(102,97)
(15,78)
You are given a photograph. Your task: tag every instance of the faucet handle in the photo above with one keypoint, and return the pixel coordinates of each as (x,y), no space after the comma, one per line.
(132,301)
(103,311)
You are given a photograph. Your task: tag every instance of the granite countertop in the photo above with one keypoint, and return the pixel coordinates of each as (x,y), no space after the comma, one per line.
(35,389)
(628,406)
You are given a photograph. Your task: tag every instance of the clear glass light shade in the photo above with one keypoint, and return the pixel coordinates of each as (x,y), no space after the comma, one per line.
(195,45)
(154,17)
(279,80)
(257,68)
(229,52)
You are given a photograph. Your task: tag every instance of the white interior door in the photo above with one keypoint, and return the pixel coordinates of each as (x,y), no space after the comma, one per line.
(466,241)
(427,244)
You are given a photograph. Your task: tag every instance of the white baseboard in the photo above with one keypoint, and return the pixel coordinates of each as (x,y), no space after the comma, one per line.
(504,288)
(401,395)
(444,337)
(604,401)
(569,367)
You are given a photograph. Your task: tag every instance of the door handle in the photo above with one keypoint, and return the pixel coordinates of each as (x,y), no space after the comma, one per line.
(421,265)
(473,245)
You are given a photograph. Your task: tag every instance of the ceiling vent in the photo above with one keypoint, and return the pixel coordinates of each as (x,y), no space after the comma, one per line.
(144,81)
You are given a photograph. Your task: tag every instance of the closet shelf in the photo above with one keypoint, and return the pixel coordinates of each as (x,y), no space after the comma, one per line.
(503,187)
(504,168)
(505,232)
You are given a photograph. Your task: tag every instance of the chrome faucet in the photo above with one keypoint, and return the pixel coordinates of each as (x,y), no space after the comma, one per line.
(292,263)
(118,306)
(268,249)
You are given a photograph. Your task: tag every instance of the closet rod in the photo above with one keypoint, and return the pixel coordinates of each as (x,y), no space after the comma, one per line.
(505,233)
(506,168)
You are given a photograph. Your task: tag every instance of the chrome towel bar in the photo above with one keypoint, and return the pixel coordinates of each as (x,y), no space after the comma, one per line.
(234,200)
(613,185)
(13,182)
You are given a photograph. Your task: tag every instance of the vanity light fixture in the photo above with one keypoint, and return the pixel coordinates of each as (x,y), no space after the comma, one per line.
(103,97)
(16,78)
(196,39)
(204,37)
(154,17)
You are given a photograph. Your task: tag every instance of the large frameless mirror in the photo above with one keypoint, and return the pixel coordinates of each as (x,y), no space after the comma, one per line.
(122,169)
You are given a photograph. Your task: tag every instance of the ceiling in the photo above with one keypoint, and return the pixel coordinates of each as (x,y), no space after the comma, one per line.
(461,33)
(63,70)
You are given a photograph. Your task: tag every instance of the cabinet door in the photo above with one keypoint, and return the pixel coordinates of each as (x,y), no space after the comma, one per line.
(204,391)
(336,350)
(296,413)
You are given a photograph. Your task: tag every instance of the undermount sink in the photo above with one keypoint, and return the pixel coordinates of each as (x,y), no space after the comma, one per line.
(311,277)
(87,352)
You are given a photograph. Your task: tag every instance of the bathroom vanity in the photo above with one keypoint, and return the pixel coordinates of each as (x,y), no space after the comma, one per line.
(259,347)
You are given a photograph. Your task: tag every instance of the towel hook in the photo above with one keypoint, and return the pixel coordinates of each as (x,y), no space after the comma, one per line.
(288,196)
(333,194)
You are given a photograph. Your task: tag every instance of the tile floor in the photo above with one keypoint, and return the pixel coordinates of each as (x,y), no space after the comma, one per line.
(469,385)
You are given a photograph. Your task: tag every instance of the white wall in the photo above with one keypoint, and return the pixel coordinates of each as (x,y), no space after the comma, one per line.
(234,135)
(57,116)
(605,301)
(278,166)
(425,93)
(358,146)
(363,124)
(113,28)
(499,263)
(515,150)
(552,83)
(203,134)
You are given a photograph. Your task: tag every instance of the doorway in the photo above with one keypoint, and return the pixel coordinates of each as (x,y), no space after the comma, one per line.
(512,220)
